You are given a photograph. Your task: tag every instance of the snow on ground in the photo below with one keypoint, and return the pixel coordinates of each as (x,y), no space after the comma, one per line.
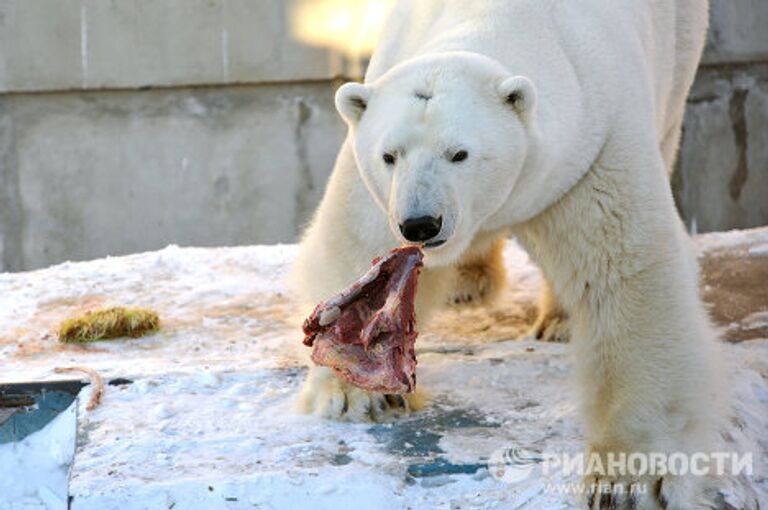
(207,419)
(34,472)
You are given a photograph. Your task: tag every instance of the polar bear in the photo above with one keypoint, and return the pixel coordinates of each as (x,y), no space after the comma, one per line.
(558,122)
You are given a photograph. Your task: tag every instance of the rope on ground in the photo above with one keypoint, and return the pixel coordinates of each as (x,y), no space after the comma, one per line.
(97,384)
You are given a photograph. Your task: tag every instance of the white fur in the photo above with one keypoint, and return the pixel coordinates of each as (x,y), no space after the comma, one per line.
(570,112)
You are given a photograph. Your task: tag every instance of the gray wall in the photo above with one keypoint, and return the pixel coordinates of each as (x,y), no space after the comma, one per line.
(125,126)
(88,174)
(721,180)
(129,125)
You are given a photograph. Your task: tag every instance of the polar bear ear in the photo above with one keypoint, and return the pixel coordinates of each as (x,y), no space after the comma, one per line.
(351,101)
(519,93)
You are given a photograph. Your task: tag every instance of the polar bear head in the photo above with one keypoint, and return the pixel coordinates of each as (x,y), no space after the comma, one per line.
(440,142)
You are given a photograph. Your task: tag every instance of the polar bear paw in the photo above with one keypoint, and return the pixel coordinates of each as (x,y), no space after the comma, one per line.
(639,493)
(327,396)
(551,326)
(475,285)
(479,281)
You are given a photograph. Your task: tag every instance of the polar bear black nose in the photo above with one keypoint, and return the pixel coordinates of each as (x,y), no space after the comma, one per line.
(421,229)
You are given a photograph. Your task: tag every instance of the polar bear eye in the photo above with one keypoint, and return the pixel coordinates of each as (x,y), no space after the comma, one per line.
(388,158)
(459,157)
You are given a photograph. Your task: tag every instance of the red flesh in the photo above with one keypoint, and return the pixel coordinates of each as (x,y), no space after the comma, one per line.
(367,332)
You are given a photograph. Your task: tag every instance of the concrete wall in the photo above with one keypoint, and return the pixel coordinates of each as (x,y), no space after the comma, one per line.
(129,125)
(125,126)
(721,181)
(97,173)
(52,45)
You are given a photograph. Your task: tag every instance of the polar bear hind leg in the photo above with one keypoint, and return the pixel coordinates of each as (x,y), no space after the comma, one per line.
(552,321)
(480,276)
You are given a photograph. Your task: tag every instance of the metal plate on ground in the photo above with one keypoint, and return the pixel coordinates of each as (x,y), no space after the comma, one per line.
(28,407)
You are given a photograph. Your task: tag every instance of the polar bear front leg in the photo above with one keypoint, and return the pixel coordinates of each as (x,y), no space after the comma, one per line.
(347,232)
(644,351)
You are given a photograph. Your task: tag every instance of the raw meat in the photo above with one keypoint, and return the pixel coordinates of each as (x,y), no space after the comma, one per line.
(366,333)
